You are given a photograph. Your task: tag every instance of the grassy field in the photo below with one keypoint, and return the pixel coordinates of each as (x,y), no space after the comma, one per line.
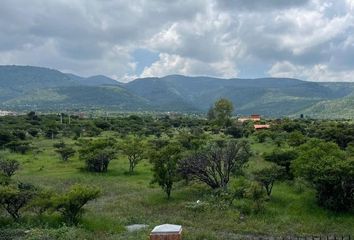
(131,199)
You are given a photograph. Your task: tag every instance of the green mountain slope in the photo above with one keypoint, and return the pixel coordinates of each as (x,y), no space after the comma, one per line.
(27,88)
(339,108)
(78,97)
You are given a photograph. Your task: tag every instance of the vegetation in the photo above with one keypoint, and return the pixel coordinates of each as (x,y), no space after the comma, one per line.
(220,181)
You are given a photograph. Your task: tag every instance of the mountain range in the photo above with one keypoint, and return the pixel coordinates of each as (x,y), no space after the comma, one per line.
(24,88)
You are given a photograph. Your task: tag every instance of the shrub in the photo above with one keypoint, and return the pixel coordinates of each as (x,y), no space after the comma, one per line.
(8,167)
(282,158)
(134,148)
(98,154)
(267,176)
(330,171)
(71,204)
(64,151)
(215,165)
(14,197)
(165,166)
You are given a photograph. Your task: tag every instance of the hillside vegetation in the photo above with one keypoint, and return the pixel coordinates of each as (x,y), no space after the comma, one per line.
(268,192)
(26,88)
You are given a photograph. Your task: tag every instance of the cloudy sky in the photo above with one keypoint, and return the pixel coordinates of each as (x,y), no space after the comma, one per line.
(125,39)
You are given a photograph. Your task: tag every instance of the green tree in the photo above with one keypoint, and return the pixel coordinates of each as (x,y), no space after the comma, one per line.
(64,151)
(222,111)
(330,171)
(267,176)
(71,204)
(164,164)
(8,167)
(97,154)
(134,148)
(215,164)
(296,138)
(282,158)
(15,197)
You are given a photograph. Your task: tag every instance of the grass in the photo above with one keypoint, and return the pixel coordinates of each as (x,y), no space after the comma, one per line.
(131,199)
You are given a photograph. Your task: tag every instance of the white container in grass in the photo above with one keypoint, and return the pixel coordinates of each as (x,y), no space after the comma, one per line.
(166,232)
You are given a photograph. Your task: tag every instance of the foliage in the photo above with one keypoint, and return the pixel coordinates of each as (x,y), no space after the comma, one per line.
(330,171)
(71,204)
(19,146)
(15,197)
(267,176)
(256,194)
(296,138)
(215,164)
(64,151)
(221,112)
(97,154)
(164,167)
(8,167)
(283,158)
(134,148)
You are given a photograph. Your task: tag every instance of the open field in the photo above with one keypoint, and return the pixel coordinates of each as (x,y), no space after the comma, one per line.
(131,199)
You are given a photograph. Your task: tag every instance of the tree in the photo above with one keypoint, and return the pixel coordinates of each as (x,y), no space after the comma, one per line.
(330,171)
(221,112)
(266,177)
(282,158)
(134,148)
(235,131)
(14,198)
(97,154)
(71,204)
(5,137)
(215,164)
(164,164)
(296,138)
(64,151)
(19,146)
(8,166)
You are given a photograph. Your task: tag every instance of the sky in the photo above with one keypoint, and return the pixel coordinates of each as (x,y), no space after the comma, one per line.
(127,39)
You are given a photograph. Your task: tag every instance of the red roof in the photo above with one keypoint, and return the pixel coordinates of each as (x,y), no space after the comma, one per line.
(261,126)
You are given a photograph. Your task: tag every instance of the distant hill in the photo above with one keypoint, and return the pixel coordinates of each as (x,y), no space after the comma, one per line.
(93,81)
(26,88)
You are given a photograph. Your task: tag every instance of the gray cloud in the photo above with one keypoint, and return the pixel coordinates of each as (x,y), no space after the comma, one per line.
(299,38)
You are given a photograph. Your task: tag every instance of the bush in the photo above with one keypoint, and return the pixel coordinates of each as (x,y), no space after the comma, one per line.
(282,158)
(19,146)
(15,197)
(64,151)
(8,167)
(165,166)
(267,176)
(215,165)
(330,171)
(71,204)
(98,154)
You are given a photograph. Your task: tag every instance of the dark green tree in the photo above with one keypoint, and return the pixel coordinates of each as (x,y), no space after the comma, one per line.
(71,204)
(134,148)
(330,171)
(164,168)
(267,176)
(215,164)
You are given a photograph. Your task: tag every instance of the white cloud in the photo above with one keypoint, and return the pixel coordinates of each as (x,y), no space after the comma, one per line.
(194,37)
(318,72)
(174,64)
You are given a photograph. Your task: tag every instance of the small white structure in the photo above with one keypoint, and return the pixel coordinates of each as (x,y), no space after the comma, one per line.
(166,232)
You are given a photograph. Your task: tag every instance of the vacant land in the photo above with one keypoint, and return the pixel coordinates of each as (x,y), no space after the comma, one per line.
(131,199)
(128,198)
